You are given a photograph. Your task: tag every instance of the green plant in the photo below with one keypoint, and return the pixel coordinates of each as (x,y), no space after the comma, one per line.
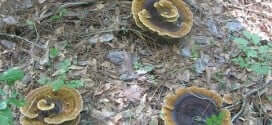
(60,75)
(59,14)
(9,77)
(255,55)
(140,68)
(144,69)
(215,119)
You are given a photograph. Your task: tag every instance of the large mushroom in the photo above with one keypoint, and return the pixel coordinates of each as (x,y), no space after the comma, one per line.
(172,18)
(193,105)
(45,107)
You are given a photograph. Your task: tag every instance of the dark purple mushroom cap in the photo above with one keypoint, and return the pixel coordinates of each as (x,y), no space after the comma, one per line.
(192,106)
(171,18)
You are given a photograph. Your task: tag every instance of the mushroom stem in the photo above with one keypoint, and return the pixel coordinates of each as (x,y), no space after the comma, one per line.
(44,105)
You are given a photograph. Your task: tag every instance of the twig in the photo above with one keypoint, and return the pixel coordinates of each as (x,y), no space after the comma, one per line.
(74,4)
(258,89)
(21,38)
(37,33)
(66,5)
(244,99)
(250,10)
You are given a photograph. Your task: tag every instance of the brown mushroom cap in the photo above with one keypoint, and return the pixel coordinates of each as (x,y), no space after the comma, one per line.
(52,107)
(27,121)
(186,104)
(171,18)
(44,105)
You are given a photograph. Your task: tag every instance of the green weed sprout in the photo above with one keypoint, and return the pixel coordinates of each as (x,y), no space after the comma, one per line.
(9,77)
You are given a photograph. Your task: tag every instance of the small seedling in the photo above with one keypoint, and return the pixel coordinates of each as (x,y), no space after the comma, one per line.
(9,77)
(215,119)
(142,69)
(53,53)
(59,14)
(60,78)
(255,56)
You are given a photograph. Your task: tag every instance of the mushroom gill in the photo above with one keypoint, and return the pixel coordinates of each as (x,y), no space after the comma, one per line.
(171,18)
(193,105)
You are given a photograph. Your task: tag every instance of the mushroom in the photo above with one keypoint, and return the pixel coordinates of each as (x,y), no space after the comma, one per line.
(45,107)
(193,105)
(172,18)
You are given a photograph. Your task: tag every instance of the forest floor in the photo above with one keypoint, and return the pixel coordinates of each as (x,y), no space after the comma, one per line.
(126,71)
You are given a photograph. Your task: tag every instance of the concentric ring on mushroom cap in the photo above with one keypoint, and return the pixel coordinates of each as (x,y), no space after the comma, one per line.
(188,103)
(176,29)
(70,107)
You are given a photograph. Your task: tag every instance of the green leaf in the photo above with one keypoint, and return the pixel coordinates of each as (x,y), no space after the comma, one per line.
(17,102)
(215,119)
(2,93)
(255,39)
(63,67)
(241,41)
(247,34)
(57,84)
(11,75)
(260,68)
(3,104)
(241,61)
(6,117)
(263,49)
(251,53)
(53,52)
(75,83)
(29,22)
(44,80)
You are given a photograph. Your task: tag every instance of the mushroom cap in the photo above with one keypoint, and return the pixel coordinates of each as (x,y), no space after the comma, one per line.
(186,104)
(27,121)
(67,102)
(172,18)
(44,105)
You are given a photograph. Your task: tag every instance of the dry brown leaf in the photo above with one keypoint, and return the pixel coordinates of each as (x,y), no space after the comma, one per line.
(227,98)
(133,93)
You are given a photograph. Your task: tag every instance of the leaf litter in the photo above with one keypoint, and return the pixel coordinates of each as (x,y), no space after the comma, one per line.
(127,72)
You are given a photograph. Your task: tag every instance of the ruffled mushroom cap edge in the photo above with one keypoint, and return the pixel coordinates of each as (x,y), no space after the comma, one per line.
(31,111)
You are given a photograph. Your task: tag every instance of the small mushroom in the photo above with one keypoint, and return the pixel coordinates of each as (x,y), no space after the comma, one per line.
(45,107)
(172,18)
(193,105)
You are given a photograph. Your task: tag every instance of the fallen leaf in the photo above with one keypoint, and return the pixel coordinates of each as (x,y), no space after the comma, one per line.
(133,93)
(227,98)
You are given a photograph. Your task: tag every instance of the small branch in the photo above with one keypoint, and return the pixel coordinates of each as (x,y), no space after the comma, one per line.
(258,89)
(250,10)
(21,38)
(75,4)
(66,5)
(244,99)
(236,116)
